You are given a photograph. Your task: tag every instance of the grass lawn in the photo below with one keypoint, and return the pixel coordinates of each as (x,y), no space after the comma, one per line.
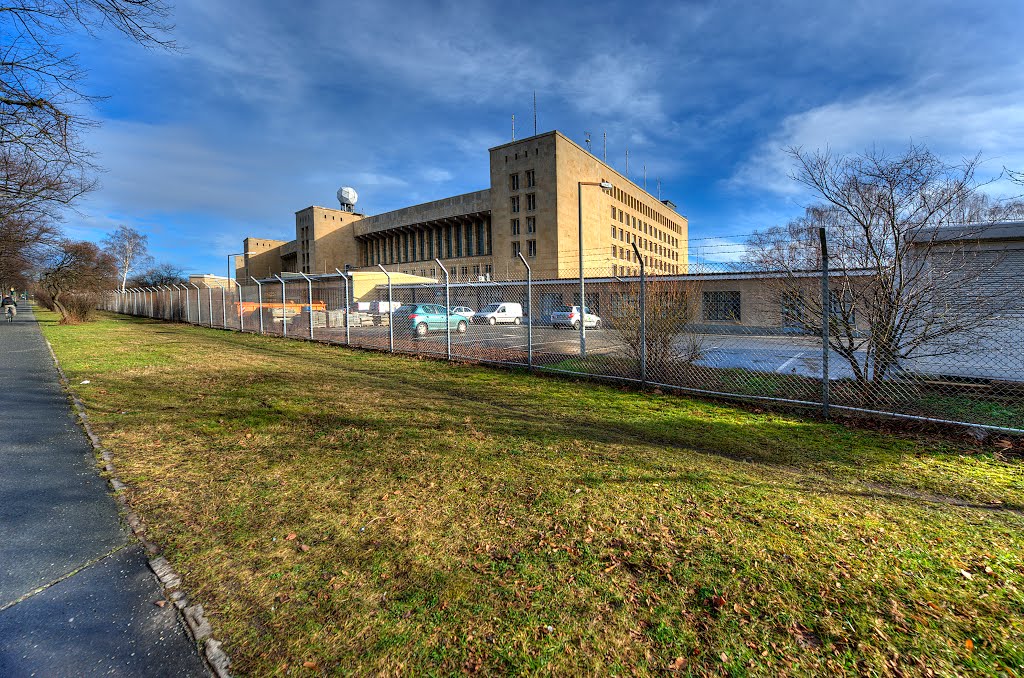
(347,512)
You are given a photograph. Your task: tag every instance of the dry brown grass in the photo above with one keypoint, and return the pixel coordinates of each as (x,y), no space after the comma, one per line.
(454,519)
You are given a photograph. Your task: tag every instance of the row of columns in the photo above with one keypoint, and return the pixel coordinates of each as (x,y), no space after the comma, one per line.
(448,238)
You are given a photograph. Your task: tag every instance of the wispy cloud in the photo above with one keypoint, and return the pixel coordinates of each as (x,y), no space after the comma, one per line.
(955,124)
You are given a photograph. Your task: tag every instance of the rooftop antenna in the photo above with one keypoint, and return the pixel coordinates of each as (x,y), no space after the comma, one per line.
(627,163)
(645,176)
(605,133)
(534,112)
(513,127)
(659,188)
(586,140)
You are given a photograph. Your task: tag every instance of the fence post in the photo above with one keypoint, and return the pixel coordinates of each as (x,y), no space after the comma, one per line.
(447,307)
(238,294)
(826,318)
(284,308)
(309,287)
(345,279)
(224,307)
(529,312)
(391,314)
(259,287)
(199,303)
(643,315)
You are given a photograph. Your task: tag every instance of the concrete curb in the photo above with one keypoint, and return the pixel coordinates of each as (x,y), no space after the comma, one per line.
(193,616)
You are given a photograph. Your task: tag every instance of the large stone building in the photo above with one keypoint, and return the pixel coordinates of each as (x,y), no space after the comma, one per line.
(533,206)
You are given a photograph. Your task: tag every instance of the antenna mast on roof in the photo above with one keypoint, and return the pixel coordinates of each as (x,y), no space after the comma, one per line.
(586,140)
(645,176)
(513,127)
(627,163)
(534,112)
(659,188)
(605,147)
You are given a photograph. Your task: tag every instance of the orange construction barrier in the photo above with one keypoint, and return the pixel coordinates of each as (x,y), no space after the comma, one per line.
(289,306)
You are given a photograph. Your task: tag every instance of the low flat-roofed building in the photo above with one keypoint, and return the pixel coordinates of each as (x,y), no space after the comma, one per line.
(977,277)
(210,281)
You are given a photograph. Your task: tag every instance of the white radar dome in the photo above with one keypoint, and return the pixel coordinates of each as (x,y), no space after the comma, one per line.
(347,195)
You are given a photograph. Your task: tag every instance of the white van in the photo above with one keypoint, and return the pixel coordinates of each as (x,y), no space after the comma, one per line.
(500,312)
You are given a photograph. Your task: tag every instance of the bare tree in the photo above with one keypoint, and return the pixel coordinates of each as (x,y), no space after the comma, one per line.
(41,84)
(668,339)
(44,167)
(129,250)
(161,274)
(22,243)
(899,289)
(72,276)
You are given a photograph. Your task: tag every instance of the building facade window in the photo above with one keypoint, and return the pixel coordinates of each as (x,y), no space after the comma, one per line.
(488,270)
(531,179)
(531,224)
(722,306)
(515,227)
(476,271)
(480,239)
(513,182)
(531,202)
(531,248)
(514,204)
(516,249)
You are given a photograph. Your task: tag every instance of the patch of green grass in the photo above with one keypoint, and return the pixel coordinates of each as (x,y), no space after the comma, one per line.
(966,406)
(975,409)
(459,519)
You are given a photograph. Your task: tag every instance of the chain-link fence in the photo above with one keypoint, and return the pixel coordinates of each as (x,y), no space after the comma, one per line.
(948,347)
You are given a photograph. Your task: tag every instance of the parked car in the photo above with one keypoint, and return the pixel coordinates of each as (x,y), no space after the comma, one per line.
(422,318)
(569,316)
(464,311)
(500,312)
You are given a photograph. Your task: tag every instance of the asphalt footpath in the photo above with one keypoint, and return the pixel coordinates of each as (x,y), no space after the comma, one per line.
(77,597)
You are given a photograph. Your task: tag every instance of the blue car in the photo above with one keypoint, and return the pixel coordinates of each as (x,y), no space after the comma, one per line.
(423,318)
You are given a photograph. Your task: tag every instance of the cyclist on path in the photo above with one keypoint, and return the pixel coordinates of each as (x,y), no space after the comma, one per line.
(9,306)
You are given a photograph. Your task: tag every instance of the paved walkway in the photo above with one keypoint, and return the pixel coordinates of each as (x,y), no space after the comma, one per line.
(76,595)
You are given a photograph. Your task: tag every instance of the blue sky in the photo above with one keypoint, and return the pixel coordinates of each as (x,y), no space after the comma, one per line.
(268,107)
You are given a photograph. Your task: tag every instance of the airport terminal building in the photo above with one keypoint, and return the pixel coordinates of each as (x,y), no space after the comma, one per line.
(541,188)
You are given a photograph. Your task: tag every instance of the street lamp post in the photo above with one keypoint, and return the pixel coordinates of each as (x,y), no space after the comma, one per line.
(605,185)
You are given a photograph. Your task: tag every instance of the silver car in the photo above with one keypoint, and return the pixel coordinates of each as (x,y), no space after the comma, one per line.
(569,316)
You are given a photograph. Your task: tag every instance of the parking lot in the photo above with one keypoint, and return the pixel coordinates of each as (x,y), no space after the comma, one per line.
(786,354)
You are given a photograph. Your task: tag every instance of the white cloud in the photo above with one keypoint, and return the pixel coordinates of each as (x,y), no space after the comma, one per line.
(436,175)
(952,125)
(617,85)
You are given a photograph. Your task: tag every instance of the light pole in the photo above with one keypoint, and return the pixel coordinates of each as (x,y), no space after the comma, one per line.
(605,185)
